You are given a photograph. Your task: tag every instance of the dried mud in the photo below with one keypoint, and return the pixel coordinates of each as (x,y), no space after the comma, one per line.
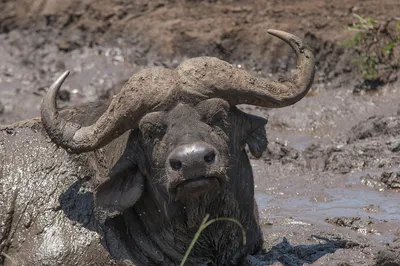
(327,187)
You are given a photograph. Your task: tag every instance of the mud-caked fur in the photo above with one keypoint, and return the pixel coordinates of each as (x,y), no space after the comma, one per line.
(157,223)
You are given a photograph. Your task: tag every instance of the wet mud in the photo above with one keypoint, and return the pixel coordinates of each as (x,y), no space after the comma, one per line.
(332,181)
(328,186)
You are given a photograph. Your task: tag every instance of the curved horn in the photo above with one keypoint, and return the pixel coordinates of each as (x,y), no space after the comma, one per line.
(158,89)
(148,90)
(56,128)
(220,79)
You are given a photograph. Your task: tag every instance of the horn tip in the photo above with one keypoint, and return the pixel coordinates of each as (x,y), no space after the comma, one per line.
(281,34)
(271,31)
(49,100)
(64,76)
(295,42)
(66,73)
(275,32)
(60,80)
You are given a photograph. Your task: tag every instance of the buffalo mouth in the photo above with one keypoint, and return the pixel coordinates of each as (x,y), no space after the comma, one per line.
(198,186)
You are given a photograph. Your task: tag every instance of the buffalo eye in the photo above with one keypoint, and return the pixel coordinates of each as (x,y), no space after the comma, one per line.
(213,111)
(153,125)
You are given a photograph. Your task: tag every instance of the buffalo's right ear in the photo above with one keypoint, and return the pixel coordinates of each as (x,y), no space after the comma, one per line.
(256,137)
(120,191)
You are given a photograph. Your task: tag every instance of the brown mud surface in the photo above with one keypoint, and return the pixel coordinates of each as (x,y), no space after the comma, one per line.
(328,187)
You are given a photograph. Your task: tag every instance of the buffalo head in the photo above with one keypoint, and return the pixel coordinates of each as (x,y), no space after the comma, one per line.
(185,153)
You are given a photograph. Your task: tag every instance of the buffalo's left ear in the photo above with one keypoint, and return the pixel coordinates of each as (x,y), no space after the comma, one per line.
(121,189)
(256,137)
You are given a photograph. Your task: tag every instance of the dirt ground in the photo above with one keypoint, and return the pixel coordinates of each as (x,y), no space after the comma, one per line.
(328,186)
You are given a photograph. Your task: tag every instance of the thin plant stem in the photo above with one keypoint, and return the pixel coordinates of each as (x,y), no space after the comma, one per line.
(203,226)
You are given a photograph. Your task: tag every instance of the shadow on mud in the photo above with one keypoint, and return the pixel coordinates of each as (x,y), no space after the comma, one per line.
(77,203)
(290,255)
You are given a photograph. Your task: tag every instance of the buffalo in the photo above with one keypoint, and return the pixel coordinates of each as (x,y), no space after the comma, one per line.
(167,150)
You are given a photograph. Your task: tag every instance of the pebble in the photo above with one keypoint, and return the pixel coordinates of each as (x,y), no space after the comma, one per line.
(2,108)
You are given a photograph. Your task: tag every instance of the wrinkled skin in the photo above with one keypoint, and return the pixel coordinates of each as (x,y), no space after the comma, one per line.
(169,208)
(159,226)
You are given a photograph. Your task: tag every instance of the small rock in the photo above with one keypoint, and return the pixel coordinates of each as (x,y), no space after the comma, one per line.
(2,108)
(391,179)
(395,146)
(351,222)
(64,45)
(372,208)
(67,45)
(369,181)
(368,85)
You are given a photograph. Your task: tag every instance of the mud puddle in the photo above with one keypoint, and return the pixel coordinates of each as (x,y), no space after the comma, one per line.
(299,206)
(374,211)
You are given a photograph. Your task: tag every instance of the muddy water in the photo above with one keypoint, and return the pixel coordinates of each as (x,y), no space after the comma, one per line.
(309,184)
(315,202)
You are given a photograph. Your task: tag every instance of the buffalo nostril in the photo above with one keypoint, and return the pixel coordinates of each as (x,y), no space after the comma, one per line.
(175,164)
(210,157)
